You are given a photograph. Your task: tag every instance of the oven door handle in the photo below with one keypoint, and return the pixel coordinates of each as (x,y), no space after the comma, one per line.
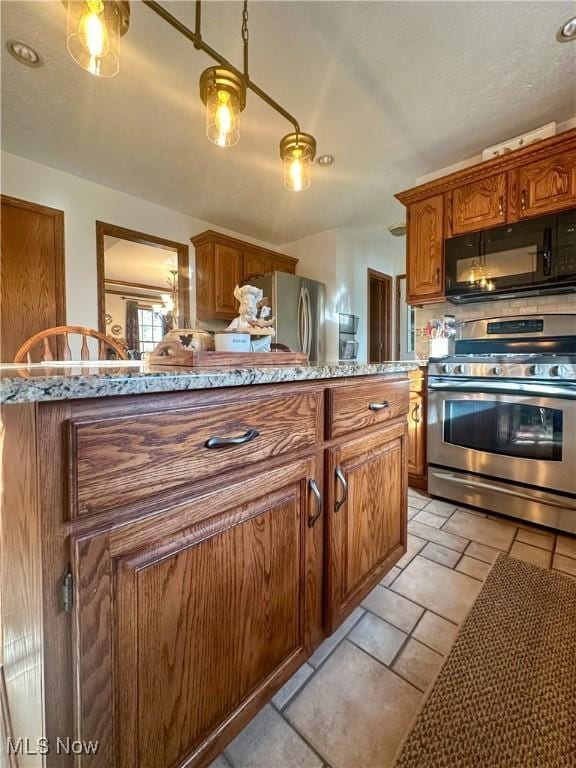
(449,478)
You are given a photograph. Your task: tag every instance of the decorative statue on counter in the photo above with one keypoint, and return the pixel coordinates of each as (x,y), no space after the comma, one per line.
(255,317)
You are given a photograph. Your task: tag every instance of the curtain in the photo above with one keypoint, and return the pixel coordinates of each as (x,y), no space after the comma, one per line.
(132,330)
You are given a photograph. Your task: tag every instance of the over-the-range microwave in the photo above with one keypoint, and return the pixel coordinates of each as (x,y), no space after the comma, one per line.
(525,259)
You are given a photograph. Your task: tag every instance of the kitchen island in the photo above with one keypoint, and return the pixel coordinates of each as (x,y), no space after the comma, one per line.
(175,543)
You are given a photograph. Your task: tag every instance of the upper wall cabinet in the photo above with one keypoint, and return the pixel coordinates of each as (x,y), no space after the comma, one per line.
(477,205)
(545,186)
(531,181)
(221,263)
(425,268)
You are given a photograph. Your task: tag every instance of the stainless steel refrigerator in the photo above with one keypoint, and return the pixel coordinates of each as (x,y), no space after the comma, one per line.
(298,307)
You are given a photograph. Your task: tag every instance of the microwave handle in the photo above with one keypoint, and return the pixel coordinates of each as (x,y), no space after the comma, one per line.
(547,253)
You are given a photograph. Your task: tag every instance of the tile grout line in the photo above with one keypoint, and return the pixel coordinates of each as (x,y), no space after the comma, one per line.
(318,754)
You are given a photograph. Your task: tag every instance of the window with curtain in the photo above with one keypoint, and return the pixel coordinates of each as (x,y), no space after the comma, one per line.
(150,327)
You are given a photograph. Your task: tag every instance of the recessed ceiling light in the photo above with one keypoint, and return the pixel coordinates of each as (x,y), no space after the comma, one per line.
(325,159)
(567,31)
(23,53)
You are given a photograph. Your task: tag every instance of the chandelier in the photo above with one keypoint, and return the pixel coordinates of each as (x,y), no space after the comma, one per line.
(94,30)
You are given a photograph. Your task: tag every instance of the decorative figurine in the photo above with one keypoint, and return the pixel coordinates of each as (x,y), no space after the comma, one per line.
(254,317)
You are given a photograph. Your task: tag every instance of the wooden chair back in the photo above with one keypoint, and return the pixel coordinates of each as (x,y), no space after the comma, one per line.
(63,331)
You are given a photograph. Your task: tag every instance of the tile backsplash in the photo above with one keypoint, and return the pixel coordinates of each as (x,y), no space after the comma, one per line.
(535,305)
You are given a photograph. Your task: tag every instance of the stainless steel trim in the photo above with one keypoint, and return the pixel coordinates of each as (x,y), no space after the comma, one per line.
(554,325)
(560,388)
(544,508)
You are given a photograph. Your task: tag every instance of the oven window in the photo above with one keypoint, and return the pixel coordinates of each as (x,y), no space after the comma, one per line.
(509,429)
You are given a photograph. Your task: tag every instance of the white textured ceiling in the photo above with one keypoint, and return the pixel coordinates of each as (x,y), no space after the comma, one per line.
(394,89)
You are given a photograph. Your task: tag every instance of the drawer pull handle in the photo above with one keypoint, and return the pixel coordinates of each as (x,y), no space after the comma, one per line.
(344,483)
(379,406)
(416,414)
(316,491)
(227,442)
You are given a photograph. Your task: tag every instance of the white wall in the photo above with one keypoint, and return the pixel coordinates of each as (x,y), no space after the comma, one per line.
(340,258)
(83,203)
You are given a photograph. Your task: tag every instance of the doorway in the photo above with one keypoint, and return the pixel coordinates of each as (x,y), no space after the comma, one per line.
(379,316)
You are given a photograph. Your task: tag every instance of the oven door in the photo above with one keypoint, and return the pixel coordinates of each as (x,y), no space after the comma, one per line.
(524,439)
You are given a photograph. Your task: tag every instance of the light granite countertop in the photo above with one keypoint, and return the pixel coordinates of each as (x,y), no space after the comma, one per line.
(42,382)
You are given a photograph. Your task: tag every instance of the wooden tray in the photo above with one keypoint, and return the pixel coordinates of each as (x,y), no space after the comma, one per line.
(178,355)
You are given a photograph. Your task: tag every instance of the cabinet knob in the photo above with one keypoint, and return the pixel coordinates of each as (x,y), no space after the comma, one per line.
(313,485)
(340,478)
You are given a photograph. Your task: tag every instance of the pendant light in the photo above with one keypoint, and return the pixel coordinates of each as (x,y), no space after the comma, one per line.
(297,151)
(94,28)
(223,94)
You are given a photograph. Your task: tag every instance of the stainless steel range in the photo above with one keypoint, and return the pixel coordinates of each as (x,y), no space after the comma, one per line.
(502,419)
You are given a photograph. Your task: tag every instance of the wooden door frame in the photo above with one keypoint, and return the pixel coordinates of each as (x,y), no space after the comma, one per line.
(59,250)
(182,250)
(386,280)
(397,302)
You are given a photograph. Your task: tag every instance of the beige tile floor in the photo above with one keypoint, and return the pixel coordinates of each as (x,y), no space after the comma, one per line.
(350,705)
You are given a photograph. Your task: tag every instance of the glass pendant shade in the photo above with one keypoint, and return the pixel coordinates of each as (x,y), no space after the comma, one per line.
(297,152)
(94,28)
(224,96)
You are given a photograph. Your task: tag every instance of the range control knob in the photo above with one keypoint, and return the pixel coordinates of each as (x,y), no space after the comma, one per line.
(446,368)
(536,370)
(497,370)
(559,370)
(462,368)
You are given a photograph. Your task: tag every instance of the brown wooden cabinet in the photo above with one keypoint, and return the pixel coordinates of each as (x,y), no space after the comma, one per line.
(425,258)
(417,464)
(365,515)
(545,186)
(221,263)
(186,620)
(478,205)
(534,180)
(171,586)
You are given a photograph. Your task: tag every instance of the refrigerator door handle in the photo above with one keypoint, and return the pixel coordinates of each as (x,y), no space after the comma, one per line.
(301,320)
(308,322)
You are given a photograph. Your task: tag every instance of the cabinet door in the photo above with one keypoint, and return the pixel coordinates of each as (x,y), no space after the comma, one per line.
(255,263)
(479,205)
(416,436)
(545,186)
(366,516)
(284,265)
(189,620)
(227,271)
(425,257)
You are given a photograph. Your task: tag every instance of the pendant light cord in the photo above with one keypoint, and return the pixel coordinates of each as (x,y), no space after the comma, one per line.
(245,36)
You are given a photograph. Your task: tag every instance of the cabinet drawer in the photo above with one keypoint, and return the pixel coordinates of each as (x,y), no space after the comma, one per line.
(119,461)
(357,406)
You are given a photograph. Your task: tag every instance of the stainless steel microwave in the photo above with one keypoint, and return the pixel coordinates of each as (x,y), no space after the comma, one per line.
(527,258)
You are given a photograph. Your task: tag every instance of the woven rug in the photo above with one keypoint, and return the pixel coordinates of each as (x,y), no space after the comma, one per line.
(506,695)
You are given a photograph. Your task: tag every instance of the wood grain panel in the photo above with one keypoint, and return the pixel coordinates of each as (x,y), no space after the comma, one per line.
(227,273)
(114,462)
(545,186)
(367,533)
(32,290)
(21,576)
(479,204)
(349,406)
(425,251)
(171,660)
(255,263)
